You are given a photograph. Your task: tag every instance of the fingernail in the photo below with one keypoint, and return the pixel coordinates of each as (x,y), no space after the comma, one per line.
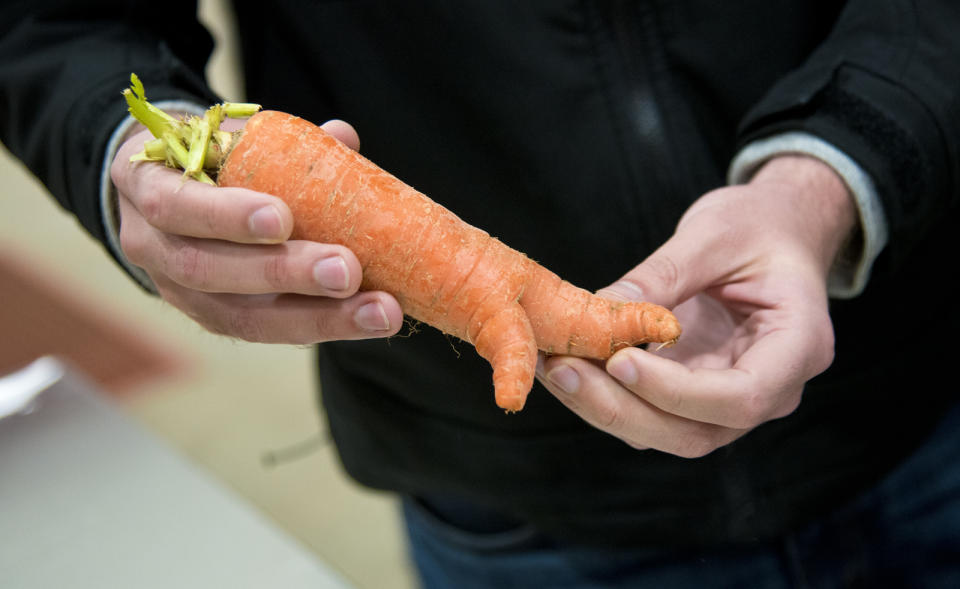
(372,317)
(623,369)
(266,224)
(332,273)
(565,378)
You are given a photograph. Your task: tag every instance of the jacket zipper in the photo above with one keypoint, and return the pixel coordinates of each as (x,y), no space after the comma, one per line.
(636,50)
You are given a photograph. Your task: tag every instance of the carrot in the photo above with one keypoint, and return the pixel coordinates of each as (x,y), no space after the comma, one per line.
(443,271)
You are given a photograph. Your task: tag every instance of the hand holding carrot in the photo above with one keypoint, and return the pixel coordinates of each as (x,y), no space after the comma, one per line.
(746,275)
(223,256)
(440,269)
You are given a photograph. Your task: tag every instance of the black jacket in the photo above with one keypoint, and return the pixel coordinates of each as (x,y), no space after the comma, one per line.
(577,132)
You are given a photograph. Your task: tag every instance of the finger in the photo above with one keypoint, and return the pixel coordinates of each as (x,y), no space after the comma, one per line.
(301,267)
(707,248)
(185,207)
(608,406)
(193,209)
(208,265)
(759,387)
(289,319)
(676,271)
(232,125)
(344,132)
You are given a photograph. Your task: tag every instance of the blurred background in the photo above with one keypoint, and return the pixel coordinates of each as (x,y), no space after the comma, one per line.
(245,413)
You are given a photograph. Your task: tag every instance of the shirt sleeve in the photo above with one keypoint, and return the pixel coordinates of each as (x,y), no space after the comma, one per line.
(851,270)
(63,67)
(880,93)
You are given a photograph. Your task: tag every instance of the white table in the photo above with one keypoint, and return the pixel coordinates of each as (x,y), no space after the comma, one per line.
(90,499)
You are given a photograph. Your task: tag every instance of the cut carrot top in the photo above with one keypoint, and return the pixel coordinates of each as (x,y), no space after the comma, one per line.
(193,144)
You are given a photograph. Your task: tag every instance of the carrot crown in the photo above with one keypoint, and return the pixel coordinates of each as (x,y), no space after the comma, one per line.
(193,144)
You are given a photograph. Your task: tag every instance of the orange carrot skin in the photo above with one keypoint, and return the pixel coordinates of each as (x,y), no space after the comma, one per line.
(442,270)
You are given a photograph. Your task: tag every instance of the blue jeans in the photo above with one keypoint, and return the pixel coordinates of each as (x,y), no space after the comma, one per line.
(905,532)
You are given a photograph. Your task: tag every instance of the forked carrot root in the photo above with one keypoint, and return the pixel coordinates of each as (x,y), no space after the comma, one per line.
(442,270)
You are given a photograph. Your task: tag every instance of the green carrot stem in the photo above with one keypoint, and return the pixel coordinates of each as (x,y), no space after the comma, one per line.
(192,144)
(198,147)
(239,110)
(180,154)
(152,117)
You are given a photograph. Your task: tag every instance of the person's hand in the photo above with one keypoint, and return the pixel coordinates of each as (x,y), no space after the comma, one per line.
(223,256)
(746,274)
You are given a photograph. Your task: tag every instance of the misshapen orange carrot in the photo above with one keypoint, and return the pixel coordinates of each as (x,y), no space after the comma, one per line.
(442,270)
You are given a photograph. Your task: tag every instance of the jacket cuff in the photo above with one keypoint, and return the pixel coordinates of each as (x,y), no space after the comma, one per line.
(109,211)
(851,270)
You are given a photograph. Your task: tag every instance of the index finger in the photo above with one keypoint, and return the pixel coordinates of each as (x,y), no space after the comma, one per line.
(178,206)
(760,386)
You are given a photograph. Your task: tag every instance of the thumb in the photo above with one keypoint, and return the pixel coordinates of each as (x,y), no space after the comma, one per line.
(343,131)
(676,271)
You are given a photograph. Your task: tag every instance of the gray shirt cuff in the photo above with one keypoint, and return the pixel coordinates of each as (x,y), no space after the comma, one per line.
(850,272)
(109,212)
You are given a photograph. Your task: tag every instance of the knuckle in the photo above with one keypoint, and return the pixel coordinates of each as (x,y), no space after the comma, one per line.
(211,213)
(275,272)
(189,268)
(668,271)
(151,207)
(610,417)
(665,271)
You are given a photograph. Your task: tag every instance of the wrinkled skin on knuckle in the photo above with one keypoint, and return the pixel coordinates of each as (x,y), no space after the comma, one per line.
(610,417)
(188,267)
(211,214)
(666,270)
(276,272)
(152,207)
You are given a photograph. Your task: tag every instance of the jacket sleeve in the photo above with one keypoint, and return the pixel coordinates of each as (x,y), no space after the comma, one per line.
(882,88)
(62,67)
